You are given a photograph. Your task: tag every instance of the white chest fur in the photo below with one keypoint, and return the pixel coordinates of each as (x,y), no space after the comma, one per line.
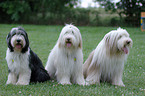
(17,62)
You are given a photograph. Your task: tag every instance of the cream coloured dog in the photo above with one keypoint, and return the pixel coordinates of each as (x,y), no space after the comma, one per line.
(106,62)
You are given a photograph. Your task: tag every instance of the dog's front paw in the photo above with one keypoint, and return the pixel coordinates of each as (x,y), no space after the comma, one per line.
(65,83)
(10,82)
(82,82)
(122,85)
(86,83)
(22,83)
(119,84)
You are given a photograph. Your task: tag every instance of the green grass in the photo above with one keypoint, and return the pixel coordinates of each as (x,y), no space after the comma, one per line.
(43,38)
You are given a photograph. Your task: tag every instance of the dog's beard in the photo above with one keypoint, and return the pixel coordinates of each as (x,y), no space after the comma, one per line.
(68,44)
(125,50)
(18,46)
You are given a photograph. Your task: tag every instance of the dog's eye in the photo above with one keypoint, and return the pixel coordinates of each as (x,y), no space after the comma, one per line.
(66,32)
(119,37)
(72,32)
(22,34)
(13,34)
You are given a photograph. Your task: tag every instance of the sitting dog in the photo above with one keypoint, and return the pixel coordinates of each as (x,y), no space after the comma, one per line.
(24,65)
(106,62)
(65,62)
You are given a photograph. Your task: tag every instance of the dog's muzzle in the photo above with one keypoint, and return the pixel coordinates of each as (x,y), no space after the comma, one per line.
(68,42)
(18,44)
(126,46)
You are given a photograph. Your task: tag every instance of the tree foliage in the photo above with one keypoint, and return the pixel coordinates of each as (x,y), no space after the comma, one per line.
(130,8)
(16,9)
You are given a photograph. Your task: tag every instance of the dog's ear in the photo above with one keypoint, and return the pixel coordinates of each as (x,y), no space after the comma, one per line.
(107,39)
(111,42)
(27,44)
(80,42)
(59,41)
(59,44)
(108,43)
(26,39)
(8,39)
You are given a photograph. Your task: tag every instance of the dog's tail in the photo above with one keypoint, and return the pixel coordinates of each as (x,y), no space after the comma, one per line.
(87,63)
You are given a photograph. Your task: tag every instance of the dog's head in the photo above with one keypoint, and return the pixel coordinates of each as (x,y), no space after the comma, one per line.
(70,37)
(118,41)
(17,40)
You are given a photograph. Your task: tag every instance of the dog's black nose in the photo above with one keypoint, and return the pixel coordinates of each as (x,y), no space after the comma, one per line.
(18,40)
(68,39)
(128,42)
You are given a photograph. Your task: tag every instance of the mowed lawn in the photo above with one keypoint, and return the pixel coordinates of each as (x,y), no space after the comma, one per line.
(43,38)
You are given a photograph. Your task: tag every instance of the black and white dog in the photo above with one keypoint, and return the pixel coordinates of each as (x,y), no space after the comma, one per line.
(23,64)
